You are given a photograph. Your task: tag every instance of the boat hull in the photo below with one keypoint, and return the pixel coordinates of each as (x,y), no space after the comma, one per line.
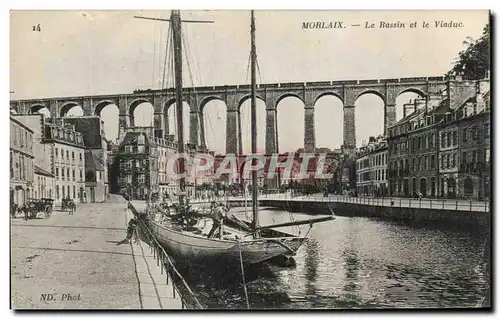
(186,247)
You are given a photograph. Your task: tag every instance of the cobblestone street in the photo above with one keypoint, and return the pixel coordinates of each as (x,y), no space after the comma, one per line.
(79,262)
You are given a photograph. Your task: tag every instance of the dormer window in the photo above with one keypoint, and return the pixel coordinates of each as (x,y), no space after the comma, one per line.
(140,139)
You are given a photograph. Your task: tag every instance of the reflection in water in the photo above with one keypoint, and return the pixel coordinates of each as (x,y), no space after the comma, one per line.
(311,266)
(361,263)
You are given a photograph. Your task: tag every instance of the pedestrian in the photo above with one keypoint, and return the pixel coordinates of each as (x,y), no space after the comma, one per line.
(131,230)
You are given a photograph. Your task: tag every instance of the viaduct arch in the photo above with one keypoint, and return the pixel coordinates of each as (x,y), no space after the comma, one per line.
(234,95)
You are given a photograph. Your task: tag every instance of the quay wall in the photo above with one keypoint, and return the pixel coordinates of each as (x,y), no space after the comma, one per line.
(445,217)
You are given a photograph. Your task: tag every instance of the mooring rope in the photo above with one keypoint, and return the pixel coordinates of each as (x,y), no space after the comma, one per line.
(243,276)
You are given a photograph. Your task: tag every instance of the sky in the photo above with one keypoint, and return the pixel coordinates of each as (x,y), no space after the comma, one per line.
(108,52)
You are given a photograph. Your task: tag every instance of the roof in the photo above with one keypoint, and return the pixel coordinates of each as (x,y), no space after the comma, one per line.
(41,171)
(13,119)
(92,162)
(131,138)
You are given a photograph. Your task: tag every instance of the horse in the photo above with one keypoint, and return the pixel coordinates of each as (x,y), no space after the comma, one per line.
(68,203)
(27,209)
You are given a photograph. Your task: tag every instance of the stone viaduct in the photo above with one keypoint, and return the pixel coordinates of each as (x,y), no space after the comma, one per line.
(234,95)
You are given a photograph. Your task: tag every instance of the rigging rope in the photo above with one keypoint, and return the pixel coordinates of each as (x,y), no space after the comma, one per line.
(258,68)
(185,45)
(195,57)
(172,79)
(167,56)
(154,58)
(243,276)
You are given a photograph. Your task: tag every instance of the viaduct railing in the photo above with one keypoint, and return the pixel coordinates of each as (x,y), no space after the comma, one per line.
(447,204)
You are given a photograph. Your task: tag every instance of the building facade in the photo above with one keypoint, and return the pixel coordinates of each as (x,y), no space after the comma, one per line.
(95,187)
(448,156)
(474,127)
(398,158)
(441,148)
(43,184)
(423,154)
(371,168)
(96,169)
(21,162)
(143,164)
(68,154)
(59,157)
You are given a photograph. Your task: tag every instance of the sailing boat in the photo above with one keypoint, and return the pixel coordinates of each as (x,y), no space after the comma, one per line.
(234,241)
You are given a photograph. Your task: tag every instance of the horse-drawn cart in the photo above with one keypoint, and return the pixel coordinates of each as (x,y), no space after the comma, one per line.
(36,206)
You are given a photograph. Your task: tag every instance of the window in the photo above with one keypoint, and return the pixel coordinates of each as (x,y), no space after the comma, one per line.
(62,173)
(63,192)
(128,148)
(442,161)
(140,178)
(80,156)
(475,132)
(455,142)
(67,170)
(141,148)
(81,175)
(67,154)
(487,156)
(57,172)
(448,142)
(448,160)
(454,160)
(11,164)
(443,139)
(426,161)
(433,159)
(464,135)
(68,192)
(57,192)
(464,157)
(74,191)
(129,179)
(74,178)
(57,152)
(480,156)
(486,130)
(73,156)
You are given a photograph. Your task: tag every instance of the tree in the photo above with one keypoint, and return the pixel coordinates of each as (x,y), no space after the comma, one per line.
(474,61)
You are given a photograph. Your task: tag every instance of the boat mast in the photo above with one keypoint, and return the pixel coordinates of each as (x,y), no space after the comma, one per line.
(175,19)
(255,221)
